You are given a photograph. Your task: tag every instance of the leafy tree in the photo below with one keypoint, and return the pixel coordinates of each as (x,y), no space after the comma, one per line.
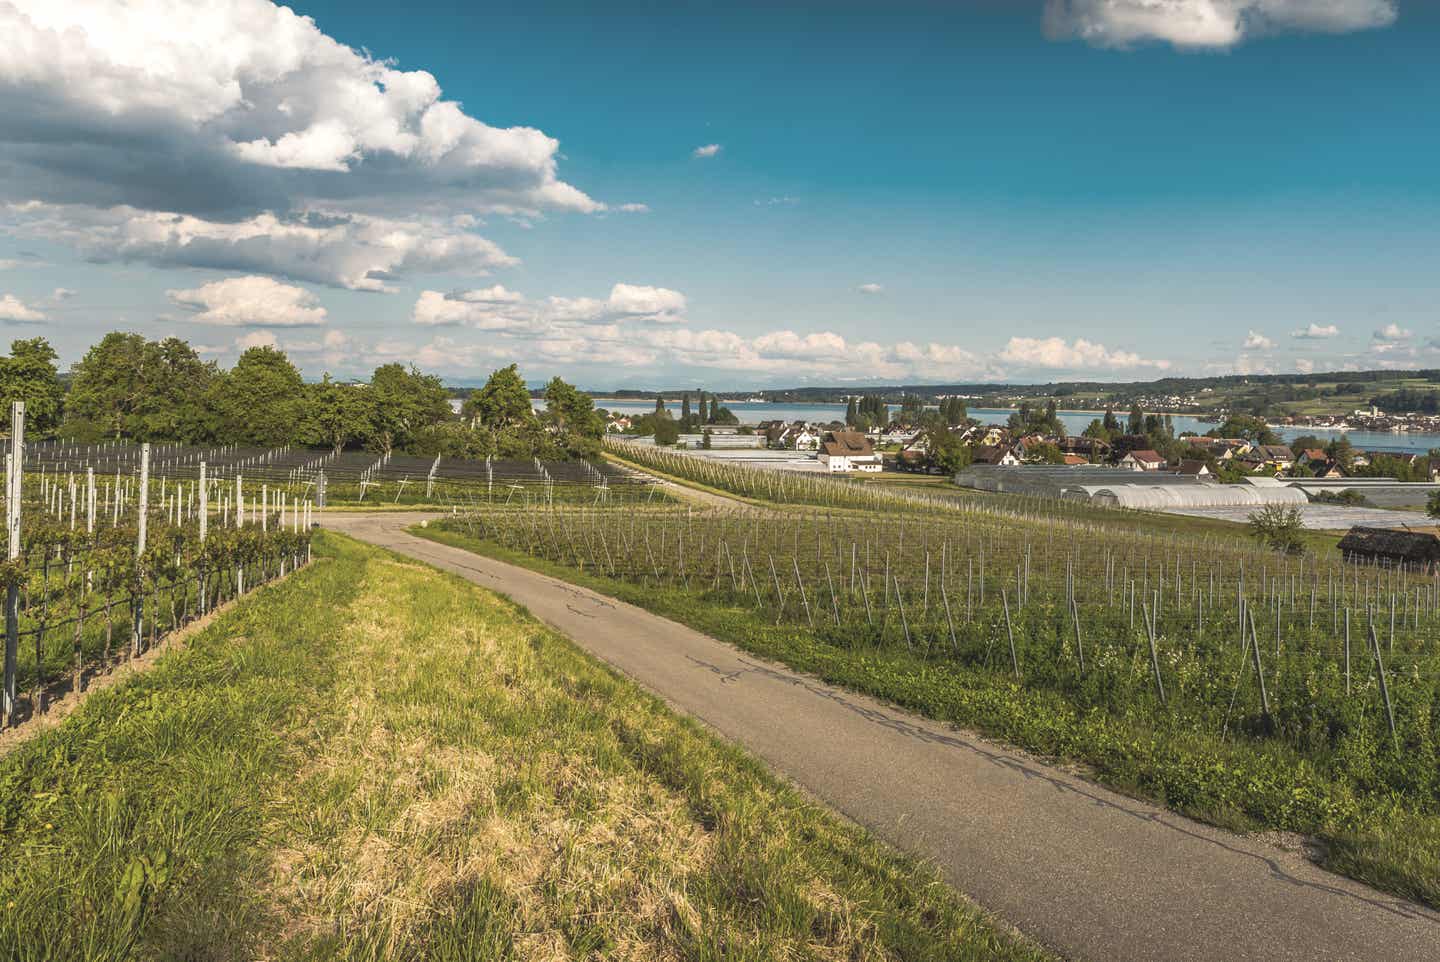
(1045,454)
(1111,423)
(573,413)
(685,408)
(954,410)
(260,400)
(1096,429)
(1432,504)
(850,413)
(911,407)
(1341,452)
(339,414)
(948,453)
(1304,442)
(1137,419)
(1280,527)
(1250,428)
(404,403)
(705,441)
(29,374)
(703,415)
(126,386)
(504,401)
(659,404)
(666,430)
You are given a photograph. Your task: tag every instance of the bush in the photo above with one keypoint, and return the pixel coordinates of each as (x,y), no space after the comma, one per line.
(1280,527)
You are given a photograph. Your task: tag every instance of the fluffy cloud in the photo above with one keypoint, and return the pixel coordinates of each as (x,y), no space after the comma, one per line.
(487,309)
(250,302)
(354,251)
(61,294)
(627,302)
(1316,332)
(1207,23)
(870,289)
(236,134)
(13,309)
(709,150)
(1393,332)
(1305,366)
(1053,353)
(256,339)
(499,309)
(1255,341)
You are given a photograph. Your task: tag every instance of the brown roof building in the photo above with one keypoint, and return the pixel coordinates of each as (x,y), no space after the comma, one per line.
(1392,547)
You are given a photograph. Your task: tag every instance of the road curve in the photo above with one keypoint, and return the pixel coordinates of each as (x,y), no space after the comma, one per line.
(1087,872)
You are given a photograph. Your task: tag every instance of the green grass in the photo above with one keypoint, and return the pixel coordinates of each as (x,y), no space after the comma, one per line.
(1374,832)
(375,760)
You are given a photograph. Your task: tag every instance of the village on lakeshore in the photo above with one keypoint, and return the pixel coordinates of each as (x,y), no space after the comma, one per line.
(941,439)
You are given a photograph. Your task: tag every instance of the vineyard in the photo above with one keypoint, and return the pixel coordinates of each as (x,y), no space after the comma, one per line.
(1151,654)
(99,570)
(349,477)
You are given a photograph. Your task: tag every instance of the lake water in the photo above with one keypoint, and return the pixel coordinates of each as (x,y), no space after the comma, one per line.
(1074,421)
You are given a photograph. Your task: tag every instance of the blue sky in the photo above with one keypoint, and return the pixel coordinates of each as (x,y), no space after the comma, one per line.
(1106,189)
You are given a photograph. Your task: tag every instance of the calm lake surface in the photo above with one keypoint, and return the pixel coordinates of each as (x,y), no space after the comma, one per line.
(1074,421)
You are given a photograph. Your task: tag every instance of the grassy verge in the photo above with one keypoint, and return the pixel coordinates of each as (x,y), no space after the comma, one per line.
(1370,833)
(415,768)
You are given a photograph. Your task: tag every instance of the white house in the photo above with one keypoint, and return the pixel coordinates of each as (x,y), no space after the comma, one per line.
(845,451)
(1145,460)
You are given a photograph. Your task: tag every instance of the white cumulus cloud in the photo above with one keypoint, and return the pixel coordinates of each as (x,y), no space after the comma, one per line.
(253,301)
(708,150)
(1055,353)
(1393,332)
(1207,23)
(13,309)
(1316,332)
(1255,341)
(634,302)
(871,288)
(1214,24)
(236,134)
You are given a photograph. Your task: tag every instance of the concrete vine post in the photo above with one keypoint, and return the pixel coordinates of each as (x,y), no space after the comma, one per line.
(14,482)
(138,602)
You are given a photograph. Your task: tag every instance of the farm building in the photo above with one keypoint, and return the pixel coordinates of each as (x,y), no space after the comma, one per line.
(843,451)
(1392,547)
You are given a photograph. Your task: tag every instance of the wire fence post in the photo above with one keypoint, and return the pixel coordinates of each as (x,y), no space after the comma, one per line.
(14,481)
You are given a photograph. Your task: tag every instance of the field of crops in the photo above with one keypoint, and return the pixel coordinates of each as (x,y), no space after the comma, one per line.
(1301,692)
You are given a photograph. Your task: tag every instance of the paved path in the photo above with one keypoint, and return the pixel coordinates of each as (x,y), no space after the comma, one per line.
(1087,872)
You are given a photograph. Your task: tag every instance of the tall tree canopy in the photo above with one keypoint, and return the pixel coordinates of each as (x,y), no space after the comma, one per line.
(126,386)
(261,400)
(504,401)
(339,414)
(29,374)
(404,403)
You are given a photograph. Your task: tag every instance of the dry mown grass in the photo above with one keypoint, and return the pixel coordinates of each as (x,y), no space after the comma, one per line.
(481,760)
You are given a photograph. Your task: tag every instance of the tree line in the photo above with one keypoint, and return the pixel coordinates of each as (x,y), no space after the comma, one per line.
(128,387)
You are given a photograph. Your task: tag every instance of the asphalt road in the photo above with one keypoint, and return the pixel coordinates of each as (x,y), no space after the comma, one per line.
(1087,872)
